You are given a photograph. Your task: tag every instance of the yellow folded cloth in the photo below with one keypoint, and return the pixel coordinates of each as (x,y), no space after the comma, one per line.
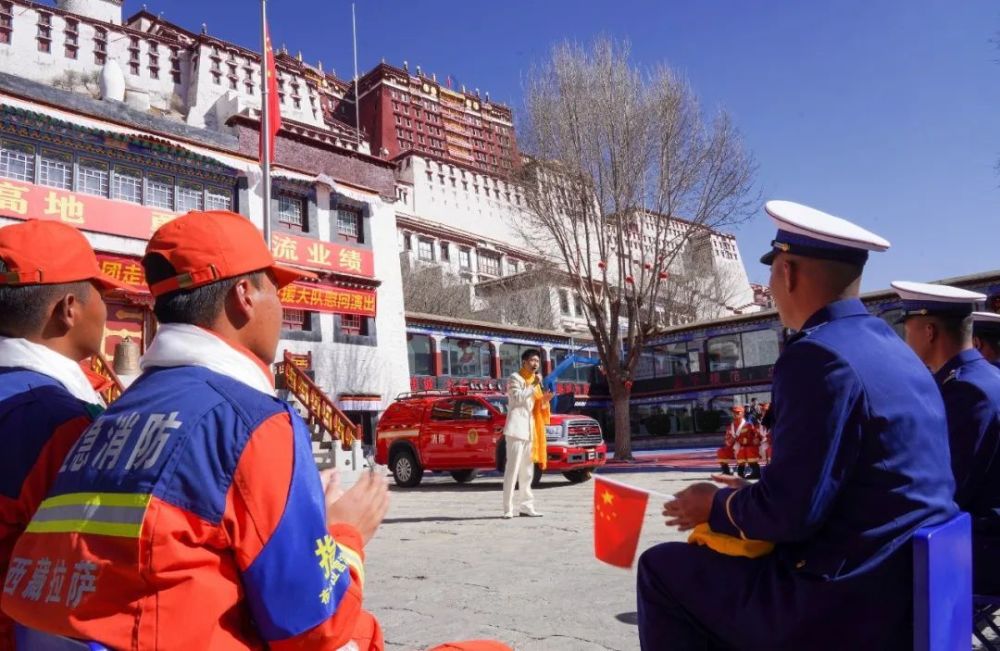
(729,545)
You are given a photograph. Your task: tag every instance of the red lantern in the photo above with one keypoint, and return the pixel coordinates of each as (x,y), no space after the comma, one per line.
(602,265)
(648,266)
(629,279)
(663,275)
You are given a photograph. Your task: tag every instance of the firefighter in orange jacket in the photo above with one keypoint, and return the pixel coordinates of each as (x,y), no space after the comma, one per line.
(51,318)
(191,515)
(730,446)
(748,456)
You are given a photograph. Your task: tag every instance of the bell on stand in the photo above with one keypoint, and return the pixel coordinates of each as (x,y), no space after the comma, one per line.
(126,362)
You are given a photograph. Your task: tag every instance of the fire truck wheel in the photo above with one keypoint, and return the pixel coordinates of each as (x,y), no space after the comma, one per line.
(463,476)
(406,470)
(577,476)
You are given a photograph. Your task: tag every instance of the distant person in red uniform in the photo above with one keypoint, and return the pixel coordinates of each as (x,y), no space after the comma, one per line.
(727,454)
(51,318)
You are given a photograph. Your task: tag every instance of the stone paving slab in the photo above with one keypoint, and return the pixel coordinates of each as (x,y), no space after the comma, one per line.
(446,566)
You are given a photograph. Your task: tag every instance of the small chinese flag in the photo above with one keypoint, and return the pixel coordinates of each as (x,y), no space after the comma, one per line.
(618,514)
(273,106)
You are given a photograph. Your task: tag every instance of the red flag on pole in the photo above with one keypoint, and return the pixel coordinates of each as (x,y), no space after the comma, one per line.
(273,105)
(618,514)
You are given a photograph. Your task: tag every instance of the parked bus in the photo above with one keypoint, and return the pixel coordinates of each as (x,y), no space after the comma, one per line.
(690,376)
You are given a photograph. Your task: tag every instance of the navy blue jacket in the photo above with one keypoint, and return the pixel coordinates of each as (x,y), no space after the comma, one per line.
(970,387)
(860,451)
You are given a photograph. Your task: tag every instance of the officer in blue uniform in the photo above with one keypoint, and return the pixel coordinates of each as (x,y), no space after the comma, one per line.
(860,462)
(938,321)
(986,336)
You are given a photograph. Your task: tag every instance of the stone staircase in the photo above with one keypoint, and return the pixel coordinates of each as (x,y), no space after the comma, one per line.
(336,441)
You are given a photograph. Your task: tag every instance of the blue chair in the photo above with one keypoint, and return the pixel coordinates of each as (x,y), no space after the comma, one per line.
(942,585)
(27,638)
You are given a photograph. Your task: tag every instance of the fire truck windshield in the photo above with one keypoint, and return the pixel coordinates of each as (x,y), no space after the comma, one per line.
(499,403)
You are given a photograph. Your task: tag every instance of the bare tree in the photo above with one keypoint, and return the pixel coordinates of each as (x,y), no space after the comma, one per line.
(625,173)
(428,290)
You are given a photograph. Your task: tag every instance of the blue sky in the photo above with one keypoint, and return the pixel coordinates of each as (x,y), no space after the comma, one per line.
(883,112)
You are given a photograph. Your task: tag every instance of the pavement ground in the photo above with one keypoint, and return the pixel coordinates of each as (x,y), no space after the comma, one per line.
(445,566)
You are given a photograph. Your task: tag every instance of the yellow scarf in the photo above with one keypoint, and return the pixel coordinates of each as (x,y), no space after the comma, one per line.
(540,418)
(728,545)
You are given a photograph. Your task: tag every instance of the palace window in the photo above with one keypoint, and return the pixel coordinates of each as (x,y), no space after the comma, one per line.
(71,35)
(564,306)
(425,250)
(93,177)
(55,170)
(100,46)
(175,65)
(160,191)
(353,324)
(133,55)
(17,161)
(218,199)
(6,21)
(126,185)
(190,196)
(44,32)
(349,224)
(290,211)
(154,60)
(465,258)
(489,263)
(295,320)
(445,251)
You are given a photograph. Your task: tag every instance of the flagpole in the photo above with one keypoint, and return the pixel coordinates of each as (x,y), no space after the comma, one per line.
(265,126)
(640,489)
(357,96)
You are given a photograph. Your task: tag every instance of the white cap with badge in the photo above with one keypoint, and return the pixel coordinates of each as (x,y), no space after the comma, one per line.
(926,299)
(812,233)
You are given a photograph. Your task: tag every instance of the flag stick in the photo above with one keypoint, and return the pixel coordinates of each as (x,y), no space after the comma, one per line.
(636,488)
(357,96)
(265,126)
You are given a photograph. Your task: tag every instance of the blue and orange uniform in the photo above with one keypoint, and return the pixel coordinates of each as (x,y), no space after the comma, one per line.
(196,494)
(46,400)
(39,421)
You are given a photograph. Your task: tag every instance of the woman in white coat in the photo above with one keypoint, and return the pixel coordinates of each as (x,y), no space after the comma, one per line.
(523,390)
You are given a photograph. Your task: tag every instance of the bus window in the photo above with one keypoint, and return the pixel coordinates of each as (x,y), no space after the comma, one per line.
(760,348)
(724,353)
(418,348)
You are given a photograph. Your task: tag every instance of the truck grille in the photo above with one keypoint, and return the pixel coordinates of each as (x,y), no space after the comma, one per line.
(584,433)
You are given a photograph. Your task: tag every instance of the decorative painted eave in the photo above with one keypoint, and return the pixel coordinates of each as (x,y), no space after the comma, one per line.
(44,127)
(484,329)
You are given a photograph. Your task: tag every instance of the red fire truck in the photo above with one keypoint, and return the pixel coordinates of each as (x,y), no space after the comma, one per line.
(461,431)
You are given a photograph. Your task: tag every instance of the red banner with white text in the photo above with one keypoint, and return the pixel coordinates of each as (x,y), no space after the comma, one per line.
(297,296)
(21,200)
(325,256)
